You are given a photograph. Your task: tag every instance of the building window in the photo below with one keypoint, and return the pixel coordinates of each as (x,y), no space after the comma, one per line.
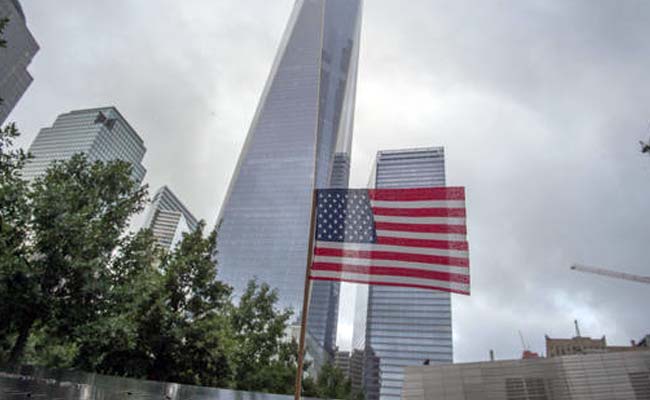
(526,389)
(641,384)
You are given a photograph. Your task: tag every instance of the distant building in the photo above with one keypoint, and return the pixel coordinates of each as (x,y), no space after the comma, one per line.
(315,354)
(342,362)
(586,345)
(404,326)
(356,370)
(15,58)
(605,376)
(102,134)
(527,354)
(169,219)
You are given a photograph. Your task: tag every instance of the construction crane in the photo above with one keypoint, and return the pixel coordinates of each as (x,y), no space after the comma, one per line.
(645,146)
(611,274)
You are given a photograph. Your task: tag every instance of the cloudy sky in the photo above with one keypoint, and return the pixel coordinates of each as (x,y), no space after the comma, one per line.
(540,105)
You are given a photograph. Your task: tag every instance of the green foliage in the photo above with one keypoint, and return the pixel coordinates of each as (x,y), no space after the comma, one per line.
(76,291)
(68,226)
(258,330)
(333,384)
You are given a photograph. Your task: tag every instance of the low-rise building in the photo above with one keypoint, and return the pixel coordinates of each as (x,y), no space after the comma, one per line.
(587,345)
(617,375)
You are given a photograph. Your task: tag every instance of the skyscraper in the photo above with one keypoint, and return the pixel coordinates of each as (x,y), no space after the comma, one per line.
(102,134)
(168,218)
(304,118)
(14,59)
(405,326)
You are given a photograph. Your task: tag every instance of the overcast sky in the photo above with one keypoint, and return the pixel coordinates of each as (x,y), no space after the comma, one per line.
(540,105)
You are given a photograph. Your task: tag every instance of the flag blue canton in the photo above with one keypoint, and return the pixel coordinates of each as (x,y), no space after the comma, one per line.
(344,215)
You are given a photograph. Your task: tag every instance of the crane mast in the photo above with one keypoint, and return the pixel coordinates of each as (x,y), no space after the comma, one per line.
(611,274)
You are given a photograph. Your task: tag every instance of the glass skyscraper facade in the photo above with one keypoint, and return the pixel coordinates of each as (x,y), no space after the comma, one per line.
(102,134)
(14,59)
(302,125)
(168,218)
(405,326)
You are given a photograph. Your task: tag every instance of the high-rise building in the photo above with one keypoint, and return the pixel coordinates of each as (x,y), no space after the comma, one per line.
(14,59)
(168,218)
(102,134)
(405,326)
(302,126)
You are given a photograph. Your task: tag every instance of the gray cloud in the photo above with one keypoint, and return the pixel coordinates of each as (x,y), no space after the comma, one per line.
(539,105)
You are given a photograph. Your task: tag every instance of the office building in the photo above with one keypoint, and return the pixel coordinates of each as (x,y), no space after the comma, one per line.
(169,219)
(606,376)
(102,134)
(342,362)
(15,57)
(356,371)
(303,121)
(405,326)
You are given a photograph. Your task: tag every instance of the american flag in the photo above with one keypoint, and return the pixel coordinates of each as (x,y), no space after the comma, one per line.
(396,237)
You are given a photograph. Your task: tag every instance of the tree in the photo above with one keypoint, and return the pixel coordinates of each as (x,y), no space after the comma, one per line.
(169,317)
(261,355)
(14,218)
(333,384)
(77,213)
(76,291)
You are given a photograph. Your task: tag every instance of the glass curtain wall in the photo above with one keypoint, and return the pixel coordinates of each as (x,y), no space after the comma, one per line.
(304,118)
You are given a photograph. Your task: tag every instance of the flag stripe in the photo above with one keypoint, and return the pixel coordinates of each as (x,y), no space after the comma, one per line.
(391,271)
(376,247)
(391,263)
(432,228)
(420,220)
(393,281)
(439,193)
(419,235)
(370,282)
(386,255)
(419,212)
(434,244)
(419,204)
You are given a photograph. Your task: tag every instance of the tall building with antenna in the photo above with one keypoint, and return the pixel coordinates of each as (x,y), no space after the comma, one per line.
(299,140)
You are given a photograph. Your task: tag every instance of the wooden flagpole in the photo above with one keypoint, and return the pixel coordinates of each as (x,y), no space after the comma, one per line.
(305,300)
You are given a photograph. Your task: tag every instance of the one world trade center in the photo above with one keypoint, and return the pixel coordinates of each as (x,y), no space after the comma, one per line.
(299,140)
